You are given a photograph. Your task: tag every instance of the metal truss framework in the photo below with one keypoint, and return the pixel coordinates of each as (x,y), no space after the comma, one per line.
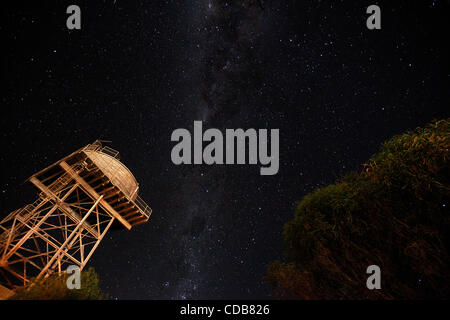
(62,227)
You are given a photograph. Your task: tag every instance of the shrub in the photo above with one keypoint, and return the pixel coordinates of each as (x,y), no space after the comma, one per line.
(54,287)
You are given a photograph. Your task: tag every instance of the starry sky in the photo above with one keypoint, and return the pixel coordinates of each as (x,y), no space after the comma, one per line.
(137,70)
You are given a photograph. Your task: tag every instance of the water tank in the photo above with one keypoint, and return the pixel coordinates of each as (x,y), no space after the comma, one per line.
(116,171)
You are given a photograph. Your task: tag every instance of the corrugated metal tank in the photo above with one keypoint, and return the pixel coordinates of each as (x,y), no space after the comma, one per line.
(116,171)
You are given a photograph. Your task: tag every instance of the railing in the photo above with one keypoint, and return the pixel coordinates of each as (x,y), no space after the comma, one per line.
(143,206)
(96,146)
(23,214)
(26,211)
(62,181)
(111,152)
(55,187)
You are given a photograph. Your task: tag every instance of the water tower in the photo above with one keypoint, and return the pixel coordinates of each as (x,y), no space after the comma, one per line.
(82,196)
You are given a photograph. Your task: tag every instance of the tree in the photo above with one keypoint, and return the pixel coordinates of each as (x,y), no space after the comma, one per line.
(54,287)
(393,214)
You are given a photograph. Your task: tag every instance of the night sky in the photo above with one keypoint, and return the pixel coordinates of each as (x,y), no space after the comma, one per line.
(137,70)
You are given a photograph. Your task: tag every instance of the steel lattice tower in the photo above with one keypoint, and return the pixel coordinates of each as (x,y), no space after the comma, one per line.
(82,196)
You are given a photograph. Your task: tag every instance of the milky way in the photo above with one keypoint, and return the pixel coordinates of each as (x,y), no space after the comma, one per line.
(224,39)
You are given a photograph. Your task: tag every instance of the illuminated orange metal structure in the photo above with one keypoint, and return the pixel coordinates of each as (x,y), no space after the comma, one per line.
(82,196)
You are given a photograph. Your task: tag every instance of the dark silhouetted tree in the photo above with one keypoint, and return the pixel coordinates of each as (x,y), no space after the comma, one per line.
(393,214)
(54,287)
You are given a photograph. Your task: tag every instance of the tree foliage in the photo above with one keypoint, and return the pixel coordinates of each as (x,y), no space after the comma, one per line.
(54,287)
(393,214)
